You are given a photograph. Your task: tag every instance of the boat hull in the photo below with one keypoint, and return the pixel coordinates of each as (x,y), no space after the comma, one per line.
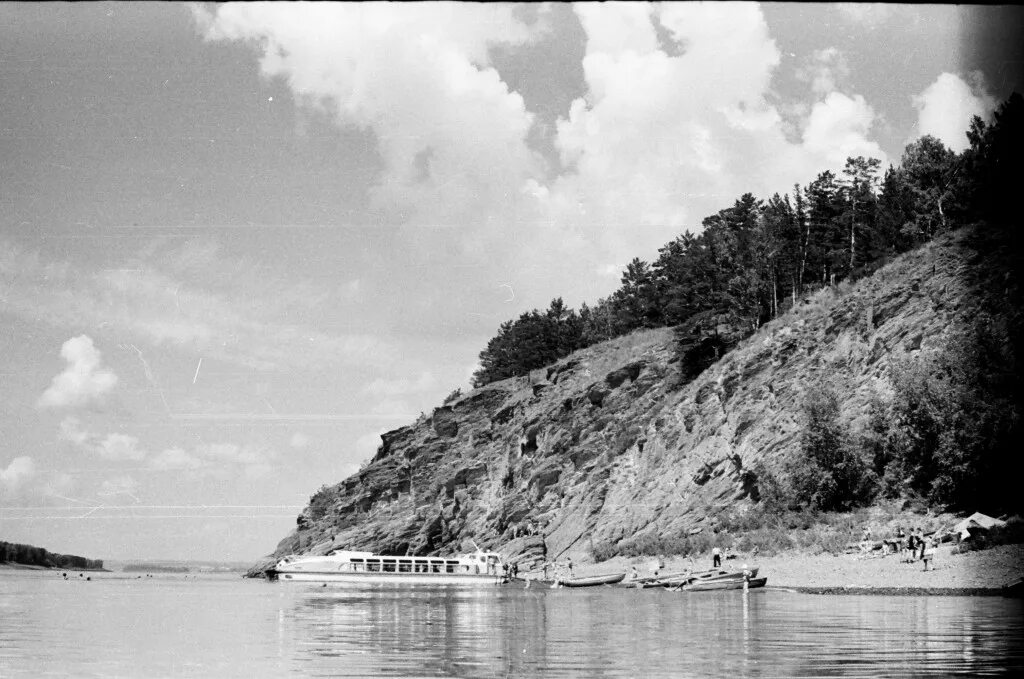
(421,579)
(711,585)
(686,577)
(595,581)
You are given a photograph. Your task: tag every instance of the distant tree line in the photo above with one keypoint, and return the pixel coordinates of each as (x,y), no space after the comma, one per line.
(28,555)
(756,258)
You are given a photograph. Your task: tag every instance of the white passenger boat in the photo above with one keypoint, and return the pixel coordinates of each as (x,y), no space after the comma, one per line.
(342,566)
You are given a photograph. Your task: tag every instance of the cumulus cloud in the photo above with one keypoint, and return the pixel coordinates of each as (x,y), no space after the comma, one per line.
(450,132)
(120,447)
(119,485)
(662,139)
(825,70)
(945,109)
(17,474)
(59,485)
(83,380)
(113,446)
(173,459)
(838,128)
(675,124)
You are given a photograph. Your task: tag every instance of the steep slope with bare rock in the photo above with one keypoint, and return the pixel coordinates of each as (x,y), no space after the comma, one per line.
(609,445)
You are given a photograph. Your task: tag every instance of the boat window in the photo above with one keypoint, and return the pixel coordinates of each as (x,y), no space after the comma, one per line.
(404,567)
(373,565)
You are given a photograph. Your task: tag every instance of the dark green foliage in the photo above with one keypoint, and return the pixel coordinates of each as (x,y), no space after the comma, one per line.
(829,474)
(993,168)
(955,422)
(533,341)
(455,395)
(29,555)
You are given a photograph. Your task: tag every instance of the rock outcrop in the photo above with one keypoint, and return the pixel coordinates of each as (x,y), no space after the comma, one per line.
(612,444)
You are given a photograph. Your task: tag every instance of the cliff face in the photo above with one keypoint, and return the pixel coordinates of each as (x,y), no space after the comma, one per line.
(609,445)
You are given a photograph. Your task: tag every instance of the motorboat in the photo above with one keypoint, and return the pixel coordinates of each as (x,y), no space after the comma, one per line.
(354,567)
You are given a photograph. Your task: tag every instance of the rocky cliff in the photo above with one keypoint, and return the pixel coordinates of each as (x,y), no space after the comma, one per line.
(611,445)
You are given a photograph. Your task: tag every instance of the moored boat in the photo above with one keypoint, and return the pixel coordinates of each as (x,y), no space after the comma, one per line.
(722,583)
(352,567)
(686,577)
(592,581)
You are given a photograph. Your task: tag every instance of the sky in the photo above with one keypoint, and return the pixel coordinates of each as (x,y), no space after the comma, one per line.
(238,242)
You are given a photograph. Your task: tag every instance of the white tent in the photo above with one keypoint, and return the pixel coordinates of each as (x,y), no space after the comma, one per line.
(975,521)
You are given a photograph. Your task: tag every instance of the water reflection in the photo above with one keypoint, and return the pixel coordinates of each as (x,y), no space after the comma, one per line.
(402,631)
(609,632)
(168,627)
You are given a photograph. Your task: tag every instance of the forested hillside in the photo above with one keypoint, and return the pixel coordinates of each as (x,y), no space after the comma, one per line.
(28,555)
(783,387)
(755,259)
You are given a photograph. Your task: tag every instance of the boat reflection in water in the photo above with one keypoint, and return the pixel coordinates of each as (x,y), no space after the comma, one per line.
(417,631)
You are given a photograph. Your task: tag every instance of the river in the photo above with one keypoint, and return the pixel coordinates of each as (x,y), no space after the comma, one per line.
(118,625)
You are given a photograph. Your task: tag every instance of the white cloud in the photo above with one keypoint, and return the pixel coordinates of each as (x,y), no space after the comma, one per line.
(450,133)
(234,318)
(946,107)
(663,136)
(825,71)
(71,431)
(838,128)
(298,440)
(59,485)
(114,446)
(83,380)
(119,485)
(173,459)
(17,473)
(119,447)
(662,140)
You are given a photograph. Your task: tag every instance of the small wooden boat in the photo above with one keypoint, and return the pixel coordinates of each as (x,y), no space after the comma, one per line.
(722,583)
(592,581)
(670,580)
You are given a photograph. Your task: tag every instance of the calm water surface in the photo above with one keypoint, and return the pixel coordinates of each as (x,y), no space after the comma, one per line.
(219,626)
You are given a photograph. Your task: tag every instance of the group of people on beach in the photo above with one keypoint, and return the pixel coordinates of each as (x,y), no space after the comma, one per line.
(913,547)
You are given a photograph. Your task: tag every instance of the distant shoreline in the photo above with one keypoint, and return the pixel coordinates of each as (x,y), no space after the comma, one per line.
(14,566)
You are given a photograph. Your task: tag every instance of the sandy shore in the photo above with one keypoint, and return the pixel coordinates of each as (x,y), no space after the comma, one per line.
(969,573)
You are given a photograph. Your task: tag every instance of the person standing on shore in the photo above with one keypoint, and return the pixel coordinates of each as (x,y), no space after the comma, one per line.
(716,558)
(928,553)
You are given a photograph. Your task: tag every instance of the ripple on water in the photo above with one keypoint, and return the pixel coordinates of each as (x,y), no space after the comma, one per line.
(224,626)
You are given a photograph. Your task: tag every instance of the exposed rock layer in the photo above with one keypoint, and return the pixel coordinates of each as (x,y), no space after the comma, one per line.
(610,445)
